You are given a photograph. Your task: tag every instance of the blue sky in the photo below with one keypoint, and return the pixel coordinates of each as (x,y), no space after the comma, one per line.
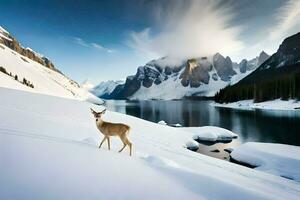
(103,40)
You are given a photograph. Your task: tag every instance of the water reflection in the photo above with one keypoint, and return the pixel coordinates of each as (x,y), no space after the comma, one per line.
(260,126)
(218,150)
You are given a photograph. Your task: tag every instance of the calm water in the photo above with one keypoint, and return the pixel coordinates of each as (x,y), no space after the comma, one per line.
(259,126)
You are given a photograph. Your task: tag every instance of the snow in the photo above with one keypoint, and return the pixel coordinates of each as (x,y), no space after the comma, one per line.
(239,76)
(3,30)
(45,81)
(105,87)
(49,150)
(162,122)
(211,133)
(277,104)
(279,159)
(4,36)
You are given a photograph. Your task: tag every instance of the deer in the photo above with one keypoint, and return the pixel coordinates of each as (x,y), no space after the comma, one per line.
(112,129)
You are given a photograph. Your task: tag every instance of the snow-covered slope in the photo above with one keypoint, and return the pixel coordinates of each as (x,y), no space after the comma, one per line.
(43,79)
(49,150)
(279,159)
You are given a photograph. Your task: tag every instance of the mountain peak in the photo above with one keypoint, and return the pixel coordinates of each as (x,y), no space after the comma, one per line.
(263,53)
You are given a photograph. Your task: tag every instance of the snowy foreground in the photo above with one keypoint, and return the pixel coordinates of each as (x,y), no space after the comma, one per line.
(267,105)
(279,159)
(49,150)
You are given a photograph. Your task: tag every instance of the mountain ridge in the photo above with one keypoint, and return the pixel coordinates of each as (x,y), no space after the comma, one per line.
(277,77)
(202,76)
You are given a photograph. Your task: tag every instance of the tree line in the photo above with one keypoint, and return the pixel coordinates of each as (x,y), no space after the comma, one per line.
(24,81)
(283,86)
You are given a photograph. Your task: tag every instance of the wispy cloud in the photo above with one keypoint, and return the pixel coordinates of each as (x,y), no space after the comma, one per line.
(94,45)
(286,23)
(81,42)
(188,29)
(288,20)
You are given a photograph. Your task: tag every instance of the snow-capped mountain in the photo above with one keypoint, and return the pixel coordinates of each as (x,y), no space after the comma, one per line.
(284,62)
(22,68)
(245,65)
(105,88)
(276,78)
(193,77)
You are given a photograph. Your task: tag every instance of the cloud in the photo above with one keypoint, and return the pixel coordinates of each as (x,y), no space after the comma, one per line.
(286,23)
(190,28)
(94,45)
(97,46)
(288,20)
(142,43)
(80,42)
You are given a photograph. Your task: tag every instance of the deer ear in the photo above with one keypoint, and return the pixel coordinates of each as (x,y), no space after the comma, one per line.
(103,112)
(92,111)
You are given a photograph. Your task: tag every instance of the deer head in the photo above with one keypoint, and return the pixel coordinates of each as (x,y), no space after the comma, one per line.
(98,114)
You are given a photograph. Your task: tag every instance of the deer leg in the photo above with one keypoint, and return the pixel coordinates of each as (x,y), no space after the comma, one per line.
(102,141)
(124,145)
(126,142)
(130,146)
(108,142)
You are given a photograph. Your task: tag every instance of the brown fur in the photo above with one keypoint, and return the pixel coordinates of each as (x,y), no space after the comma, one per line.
(112,129)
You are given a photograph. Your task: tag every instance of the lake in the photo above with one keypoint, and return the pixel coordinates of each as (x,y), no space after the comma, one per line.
(258,126)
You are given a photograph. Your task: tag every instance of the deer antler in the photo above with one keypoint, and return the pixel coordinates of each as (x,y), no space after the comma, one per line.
(93,110)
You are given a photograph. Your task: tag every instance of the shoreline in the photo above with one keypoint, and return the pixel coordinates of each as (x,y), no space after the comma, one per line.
(249,105)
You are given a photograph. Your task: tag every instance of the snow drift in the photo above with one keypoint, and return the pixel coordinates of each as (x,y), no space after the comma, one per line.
(279,159)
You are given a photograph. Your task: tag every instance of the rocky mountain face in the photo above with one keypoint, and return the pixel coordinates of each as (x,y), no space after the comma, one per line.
(199,76)
(8,40)
(245,65)
(284,61)
(195,73)
(223,67)
(287,54)
(277,77)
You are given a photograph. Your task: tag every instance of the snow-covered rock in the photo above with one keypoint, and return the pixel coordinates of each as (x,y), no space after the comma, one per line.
(210,133)
(162,122)
(48,152)
(279,159)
